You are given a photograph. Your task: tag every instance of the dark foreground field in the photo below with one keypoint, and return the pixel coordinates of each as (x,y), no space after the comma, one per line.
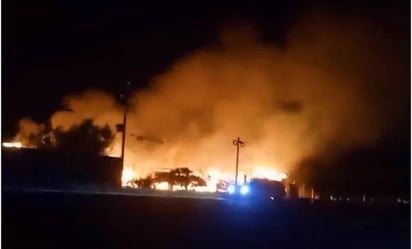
(47,220)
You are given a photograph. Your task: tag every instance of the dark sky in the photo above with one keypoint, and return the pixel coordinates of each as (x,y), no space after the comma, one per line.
(53,48)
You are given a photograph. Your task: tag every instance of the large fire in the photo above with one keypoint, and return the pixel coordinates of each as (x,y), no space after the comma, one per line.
(268,173)
(212,176)
(128,175)
(12,144)
(287,103)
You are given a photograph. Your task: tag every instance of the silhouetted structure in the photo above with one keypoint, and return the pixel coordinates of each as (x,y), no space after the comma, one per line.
(268,189)
(52,169)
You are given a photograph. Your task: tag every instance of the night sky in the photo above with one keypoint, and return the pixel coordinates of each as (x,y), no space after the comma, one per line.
(53,48)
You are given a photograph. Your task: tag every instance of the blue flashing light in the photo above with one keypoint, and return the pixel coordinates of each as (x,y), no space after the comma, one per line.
(244,189)
(231,189)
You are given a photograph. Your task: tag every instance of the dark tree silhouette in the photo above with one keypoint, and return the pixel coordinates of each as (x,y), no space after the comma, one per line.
(143,182)
(180,176)
(85,138)
(197,180)
(177,176)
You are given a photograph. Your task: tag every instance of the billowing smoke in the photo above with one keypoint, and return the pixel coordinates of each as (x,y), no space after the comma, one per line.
(336,81)
(28,127)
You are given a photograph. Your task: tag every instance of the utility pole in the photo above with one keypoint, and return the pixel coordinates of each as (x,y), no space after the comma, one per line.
(124,97)
(124,133)
(238,143)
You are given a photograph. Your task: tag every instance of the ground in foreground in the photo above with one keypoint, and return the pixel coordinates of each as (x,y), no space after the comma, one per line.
(56,220)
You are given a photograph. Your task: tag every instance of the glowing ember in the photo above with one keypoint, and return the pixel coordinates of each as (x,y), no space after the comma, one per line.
(161,186)
(12,145)
(208,188)
(128,174)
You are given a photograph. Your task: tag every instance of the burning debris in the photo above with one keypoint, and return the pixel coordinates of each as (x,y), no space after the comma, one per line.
(186,179)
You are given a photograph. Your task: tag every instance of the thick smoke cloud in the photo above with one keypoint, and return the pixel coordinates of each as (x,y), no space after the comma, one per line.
(337,81)
(27,127)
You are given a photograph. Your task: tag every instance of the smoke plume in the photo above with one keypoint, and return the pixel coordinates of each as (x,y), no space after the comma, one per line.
(337,81)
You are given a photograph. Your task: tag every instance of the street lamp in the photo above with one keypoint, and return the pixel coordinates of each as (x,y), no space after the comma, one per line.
(238,143)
